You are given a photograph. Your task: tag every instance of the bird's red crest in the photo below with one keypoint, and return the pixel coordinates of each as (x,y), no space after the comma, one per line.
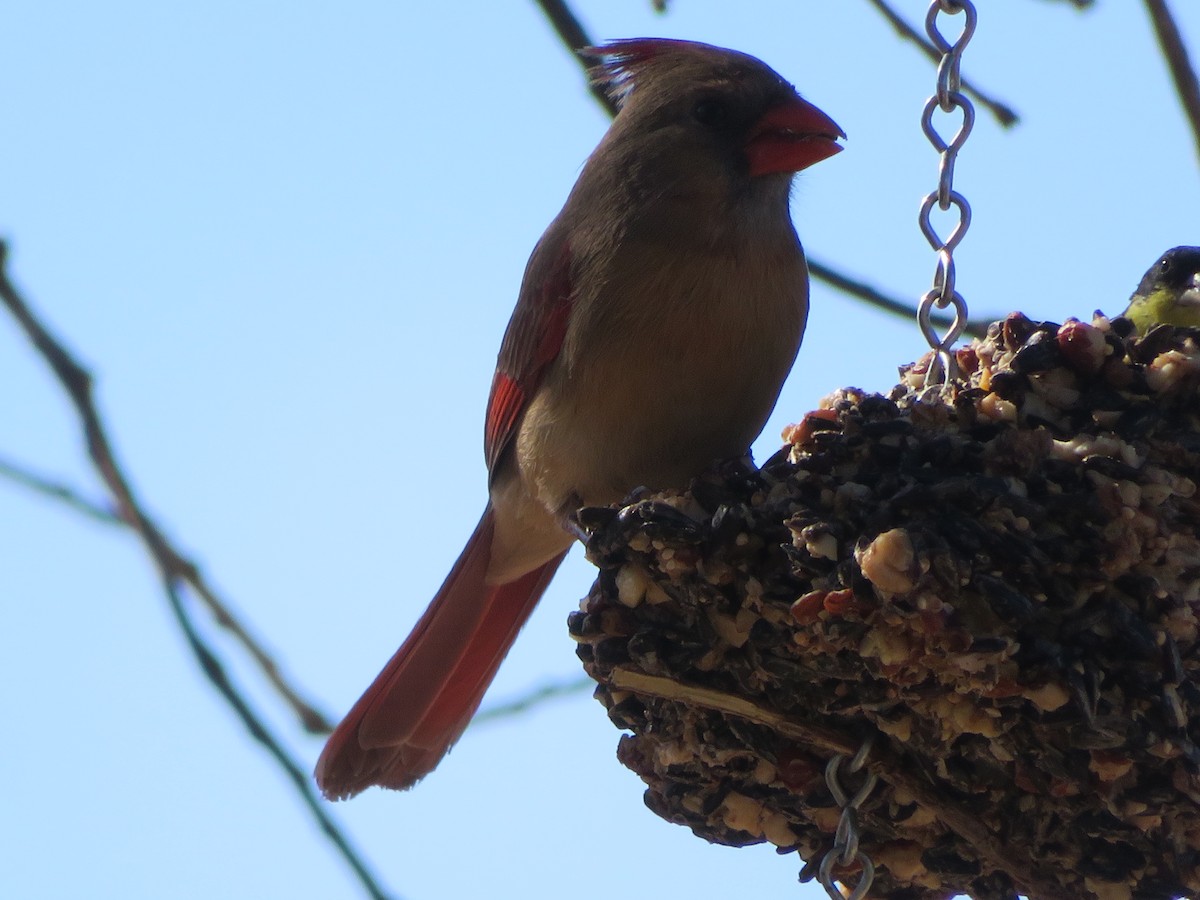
(620,62)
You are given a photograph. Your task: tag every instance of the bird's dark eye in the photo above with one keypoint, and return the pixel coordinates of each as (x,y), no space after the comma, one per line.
(710,112)
(1165,265)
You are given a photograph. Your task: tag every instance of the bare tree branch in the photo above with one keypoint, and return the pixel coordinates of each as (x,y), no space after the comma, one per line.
(299,777)
(175,570)
(1005,114)
(1175,53)
(886,302)
(311,719)
(63,493)
(533,698)
(572,34)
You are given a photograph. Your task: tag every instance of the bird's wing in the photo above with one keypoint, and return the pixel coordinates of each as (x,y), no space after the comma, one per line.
(532,341)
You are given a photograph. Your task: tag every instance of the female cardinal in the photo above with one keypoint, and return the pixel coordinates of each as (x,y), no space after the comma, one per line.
(657,319)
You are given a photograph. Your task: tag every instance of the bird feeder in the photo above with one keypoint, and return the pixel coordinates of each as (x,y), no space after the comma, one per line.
(997,579)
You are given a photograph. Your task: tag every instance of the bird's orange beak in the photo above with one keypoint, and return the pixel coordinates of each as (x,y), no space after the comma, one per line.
(791,137)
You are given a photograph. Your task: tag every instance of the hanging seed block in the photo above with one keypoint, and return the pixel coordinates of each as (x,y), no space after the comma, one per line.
(1000,579)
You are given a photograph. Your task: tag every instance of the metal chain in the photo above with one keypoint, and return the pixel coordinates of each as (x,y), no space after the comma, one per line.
(948,98)
(845,849)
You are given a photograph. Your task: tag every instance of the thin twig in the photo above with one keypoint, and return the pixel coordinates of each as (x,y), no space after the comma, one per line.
(301,780)
(572,34)
(534,698)
(312,720)
(863,291)
(890,767)
(63,493)
(174,569)
(1175,53)
(1005,114)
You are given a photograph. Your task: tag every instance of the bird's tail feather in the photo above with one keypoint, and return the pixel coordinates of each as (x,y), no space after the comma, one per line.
(421,702)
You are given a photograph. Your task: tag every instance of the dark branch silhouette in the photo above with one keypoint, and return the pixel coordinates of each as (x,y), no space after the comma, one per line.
(573,36)
(311,719)
(175,570)
(126,509)
(886,302)
(1175,53)
(55,490)
(1005,114)
(534,698)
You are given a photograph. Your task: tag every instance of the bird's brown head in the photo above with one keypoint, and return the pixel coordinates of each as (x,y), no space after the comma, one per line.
(703,104)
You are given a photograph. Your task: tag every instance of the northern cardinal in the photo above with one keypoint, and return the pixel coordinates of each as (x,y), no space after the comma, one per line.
(657,319)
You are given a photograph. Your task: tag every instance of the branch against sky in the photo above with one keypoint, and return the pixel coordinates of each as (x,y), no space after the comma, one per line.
(1174,51)
(1005,114)
(572,34)
(176,571)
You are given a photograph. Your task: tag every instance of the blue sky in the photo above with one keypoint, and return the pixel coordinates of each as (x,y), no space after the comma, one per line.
(286,239)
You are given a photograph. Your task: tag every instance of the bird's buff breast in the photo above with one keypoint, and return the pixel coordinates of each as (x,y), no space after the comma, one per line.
(674,387)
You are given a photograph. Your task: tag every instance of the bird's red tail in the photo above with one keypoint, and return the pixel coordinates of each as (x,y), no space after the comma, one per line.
(420,703)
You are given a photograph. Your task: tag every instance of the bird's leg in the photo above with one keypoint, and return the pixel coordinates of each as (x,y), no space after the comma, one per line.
(569,520)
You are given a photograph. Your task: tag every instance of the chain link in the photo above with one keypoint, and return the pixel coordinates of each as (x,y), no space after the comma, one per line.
(949,99)
(845,849)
